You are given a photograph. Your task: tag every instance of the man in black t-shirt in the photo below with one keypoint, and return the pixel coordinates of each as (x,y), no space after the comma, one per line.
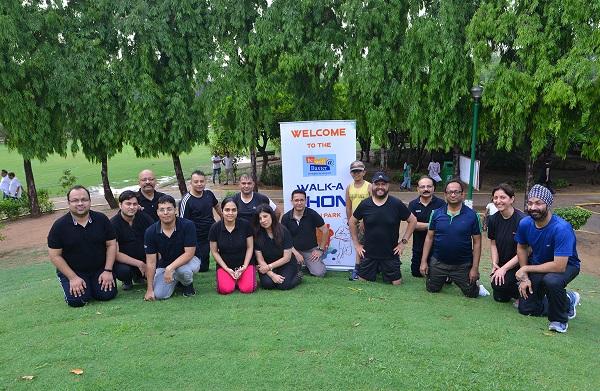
(197,206)
(381,215)
(247,200)
(302,223)
(82,246)
(421,207)
(130,224)
(147,195)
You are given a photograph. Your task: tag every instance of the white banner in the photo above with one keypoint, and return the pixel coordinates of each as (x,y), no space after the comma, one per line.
(316,157)
(465,170)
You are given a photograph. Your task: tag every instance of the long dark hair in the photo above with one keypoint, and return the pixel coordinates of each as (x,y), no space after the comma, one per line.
(275,226)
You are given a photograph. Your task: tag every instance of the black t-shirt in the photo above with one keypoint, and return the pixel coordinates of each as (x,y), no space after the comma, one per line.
(503,232)
(199,210)
(269,249)
(131,237)
(150,206)
(423,213)
(303,230)
(83,248)
(232,245)
(246,211)
(169,248)
(381,226)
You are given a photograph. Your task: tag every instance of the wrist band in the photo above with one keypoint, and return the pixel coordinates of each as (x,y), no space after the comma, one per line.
(108,270)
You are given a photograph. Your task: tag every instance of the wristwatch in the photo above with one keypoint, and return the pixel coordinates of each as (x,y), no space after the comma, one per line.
(320,249)
(404,241)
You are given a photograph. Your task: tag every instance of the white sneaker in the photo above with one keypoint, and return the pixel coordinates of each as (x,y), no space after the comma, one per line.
(482,291)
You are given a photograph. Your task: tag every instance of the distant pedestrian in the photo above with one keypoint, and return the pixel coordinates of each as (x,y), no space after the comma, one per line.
(406,174)
(228,162)
(216,166)
(4,184)
(15,190)
(434,170)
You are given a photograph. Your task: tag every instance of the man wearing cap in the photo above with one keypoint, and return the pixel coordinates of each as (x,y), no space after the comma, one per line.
(455,234)
(422,207)
(356,192)
(381,215)
(147,195)
(553,263)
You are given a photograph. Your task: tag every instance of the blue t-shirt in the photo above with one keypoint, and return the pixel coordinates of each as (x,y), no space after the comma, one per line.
(169,248)
(452,242)
(556,239)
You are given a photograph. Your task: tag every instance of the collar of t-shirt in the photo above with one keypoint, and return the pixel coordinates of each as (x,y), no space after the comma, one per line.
(75,221)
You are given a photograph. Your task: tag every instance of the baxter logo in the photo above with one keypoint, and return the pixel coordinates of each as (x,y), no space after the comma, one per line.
(318,165)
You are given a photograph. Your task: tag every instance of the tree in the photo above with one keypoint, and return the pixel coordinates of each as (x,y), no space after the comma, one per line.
(166,48)
(542,62)
(30,83)
(95,118)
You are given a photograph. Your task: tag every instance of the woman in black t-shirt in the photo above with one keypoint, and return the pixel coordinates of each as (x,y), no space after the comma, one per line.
(273,249)
(231,244)
(502,227)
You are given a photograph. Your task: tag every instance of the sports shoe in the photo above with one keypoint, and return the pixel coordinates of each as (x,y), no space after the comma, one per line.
(353,275)
(127,285)
(574,298)
(482,291)
(558,327)
(189,291)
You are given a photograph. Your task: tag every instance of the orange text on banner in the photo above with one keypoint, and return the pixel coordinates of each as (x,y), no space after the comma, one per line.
(340,132)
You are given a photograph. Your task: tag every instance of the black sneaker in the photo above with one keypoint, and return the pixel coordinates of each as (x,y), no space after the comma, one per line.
(139,280)
(189,291)
(127,285)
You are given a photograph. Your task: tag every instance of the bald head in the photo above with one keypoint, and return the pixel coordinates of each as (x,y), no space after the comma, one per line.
(147,181)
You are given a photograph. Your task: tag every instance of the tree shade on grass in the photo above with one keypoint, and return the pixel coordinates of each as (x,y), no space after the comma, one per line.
(327,333)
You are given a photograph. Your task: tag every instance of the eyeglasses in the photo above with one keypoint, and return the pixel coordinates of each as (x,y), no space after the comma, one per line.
(355,171)
(454,192)
(78,200)
(165,210)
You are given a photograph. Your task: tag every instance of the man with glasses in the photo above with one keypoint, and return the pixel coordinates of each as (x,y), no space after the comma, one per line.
(170,246)
(381,214)
(147,195)
(454,233)
(247,200)
(82,246)
(552,264)
(422,207)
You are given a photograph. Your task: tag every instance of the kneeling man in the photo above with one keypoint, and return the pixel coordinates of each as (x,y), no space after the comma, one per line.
(174,239)
(553,263)
(82,246)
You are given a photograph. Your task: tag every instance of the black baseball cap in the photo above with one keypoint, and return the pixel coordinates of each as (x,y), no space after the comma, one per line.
(380,176)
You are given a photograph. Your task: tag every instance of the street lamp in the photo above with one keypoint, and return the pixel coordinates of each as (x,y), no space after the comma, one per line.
(476,92)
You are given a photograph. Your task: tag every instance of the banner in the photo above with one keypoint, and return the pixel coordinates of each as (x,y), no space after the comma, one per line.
(316,157)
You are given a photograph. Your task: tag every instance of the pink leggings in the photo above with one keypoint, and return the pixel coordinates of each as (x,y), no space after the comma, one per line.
(246,283)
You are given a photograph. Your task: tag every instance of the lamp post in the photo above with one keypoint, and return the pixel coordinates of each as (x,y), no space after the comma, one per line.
(476,94)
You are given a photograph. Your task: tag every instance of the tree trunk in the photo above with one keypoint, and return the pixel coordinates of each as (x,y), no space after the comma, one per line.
(253,165)
(528,175)
(365,149)
(179,173)
(34,206)
(456,161)
(108,194)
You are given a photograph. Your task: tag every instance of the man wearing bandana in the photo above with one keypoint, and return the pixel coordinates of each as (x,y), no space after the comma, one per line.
(553,262)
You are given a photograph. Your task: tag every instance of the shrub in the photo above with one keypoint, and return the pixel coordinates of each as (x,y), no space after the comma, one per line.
(575,215)
(272,175)
(67,180)
(561,183)
(10,208)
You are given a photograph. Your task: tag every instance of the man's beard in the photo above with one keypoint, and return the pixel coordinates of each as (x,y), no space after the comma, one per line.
(538,215)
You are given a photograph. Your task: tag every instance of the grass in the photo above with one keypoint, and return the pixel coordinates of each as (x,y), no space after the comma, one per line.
(326,334)
(122,168)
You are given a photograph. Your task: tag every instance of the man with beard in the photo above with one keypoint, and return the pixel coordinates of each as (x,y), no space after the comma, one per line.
(147,195)
(82,246)
(130,224)
(247,200)
(553,263)
(455,235)
(381,215)
(170,245)
(422,207)
(198,206)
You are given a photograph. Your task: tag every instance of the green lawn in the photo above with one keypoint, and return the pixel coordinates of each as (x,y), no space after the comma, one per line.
(327,334)
(122,168)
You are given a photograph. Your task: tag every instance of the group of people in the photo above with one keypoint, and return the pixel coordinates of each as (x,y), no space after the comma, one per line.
(228,162)
(151,241)
(10,186)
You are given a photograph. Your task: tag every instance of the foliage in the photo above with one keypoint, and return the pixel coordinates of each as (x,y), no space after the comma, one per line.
(272,176)
(560,183)
(11,208)
(575,215)
(67,179)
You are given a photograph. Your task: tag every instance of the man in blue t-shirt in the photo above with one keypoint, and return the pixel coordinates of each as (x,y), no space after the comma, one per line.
(552,264)
(455,235)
